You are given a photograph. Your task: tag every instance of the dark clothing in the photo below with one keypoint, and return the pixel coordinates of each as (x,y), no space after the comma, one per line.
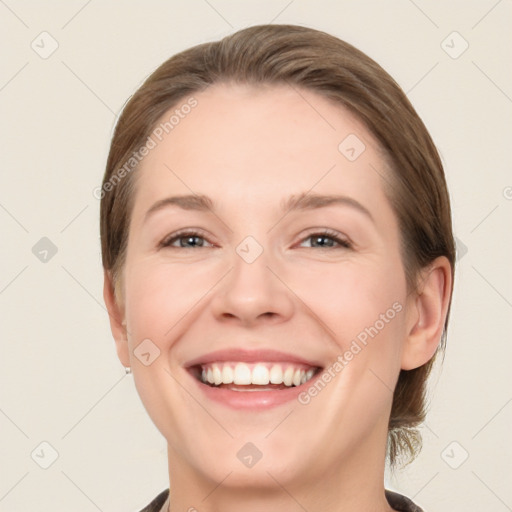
(157,503)
(399,502)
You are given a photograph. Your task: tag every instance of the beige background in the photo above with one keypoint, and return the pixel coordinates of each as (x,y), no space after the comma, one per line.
(61,380)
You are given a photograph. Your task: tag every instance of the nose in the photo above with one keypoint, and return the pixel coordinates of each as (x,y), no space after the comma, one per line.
(253,293)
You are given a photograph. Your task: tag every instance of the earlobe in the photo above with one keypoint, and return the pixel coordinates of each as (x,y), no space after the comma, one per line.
(427,314)
(117,320)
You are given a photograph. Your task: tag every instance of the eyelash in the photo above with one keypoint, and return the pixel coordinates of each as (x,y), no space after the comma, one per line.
(326,233)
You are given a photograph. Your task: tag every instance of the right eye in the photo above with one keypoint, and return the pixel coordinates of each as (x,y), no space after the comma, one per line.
(186,240)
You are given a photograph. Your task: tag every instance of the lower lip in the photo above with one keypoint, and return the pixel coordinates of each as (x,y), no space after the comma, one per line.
(252,399)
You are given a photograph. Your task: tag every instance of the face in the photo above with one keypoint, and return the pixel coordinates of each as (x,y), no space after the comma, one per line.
(266,310)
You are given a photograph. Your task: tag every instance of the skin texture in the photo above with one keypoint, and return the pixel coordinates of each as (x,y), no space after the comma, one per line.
(249,149)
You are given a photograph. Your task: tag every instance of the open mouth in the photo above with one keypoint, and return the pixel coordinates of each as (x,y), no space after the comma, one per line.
(258,376)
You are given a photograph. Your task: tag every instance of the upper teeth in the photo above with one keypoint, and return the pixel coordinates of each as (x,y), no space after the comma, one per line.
(262,374)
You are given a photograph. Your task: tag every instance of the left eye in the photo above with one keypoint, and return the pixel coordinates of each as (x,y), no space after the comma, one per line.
(333,239)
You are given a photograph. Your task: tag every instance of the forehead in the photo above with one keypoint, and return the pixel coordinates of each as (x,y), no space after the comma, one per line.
(260,144)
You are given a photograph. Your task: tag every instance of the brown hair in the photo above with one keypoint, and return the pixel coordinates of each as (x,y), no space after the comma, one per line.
(303,58)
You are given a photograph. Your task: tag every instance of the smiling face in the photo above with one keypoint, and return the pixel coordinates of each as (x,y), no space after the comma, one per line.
(263,271)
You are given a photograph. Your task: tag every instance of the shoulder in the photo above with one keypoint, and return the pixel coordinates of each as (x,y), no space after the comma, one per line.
(401,503)
(157,504)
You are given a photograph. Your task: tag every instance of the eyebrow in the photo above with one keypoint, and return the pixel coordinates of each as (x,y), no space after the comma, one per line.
(304,201)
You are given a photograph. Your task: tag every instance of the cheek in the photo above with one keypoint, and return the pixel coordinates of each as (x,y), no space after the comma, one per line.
(161,297)
(161,302)
(351,297)
(363,309)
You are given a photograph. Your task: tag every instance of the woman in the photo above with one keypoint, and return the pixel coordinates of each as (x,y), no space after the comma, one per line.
(279,259)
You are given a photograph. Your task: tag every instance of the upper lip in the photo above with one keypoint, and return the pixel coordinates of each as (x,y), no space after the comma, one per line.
(250,356)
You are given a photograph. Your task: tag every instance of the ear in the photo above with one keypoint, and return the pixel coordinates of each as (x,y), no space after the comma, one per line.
(117,320)
(427,314)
